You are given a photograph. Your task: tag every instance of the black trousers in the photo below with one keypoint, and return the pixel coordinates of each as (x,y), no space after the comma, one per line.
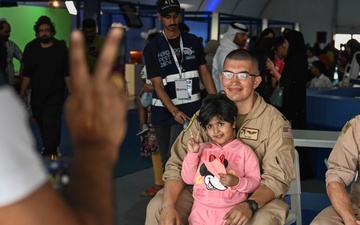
(165,137)
(48,119)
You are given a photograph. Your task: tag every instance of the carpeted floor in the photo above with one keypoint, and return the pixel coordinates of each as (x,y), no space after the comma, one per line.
(130,160)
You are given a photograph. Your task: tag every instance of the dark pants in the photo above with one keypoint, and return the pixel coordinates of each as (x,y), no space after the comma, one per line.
(48,119)
(165,137)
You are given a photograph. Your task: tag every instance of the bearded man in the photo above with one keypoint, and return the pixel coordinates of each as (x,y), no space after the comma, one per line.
(45,63)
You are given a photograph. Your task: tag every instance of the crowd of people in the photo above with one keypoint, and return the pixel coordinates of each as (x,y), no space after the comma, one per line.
(44,74)
(227,154)
(96,115)
(246,77)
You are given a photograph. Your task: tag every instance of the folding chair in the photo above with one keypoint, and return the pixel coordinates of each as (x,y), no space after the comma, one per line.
(295,196)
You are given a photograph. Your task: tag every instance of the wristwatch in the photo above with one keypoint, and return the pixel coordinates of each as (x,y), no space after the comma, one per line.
(253,205)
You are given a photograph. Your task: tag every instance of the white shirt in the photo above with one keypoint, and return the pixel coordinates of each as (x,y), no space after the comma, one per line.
(321,82)
(13,51)
(143,75)
(21,169)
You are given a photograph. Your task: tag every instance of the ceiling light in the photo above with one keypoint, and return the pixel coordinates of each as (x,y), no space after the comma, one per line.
(71,7)
(54,4)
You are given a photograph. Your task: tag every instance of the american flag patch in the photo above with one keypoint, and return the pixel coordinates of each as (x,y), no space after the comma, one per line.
(287,132)
(346,127)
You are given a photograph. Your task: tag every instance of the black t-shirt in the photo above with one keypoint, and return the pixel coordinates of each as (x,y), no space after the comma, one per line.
(151,69)
(46,68)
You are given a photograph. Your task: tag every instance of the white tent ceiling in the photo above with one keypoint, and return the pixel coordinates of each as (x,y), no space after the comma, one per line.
(331,16)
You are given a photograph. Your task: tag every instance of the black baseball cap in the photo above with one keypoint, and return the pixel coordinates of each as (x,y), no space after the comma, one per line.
(167,6)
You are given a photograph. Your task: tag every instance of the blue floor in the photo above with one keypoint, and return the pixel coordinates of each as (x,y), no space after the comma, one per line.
(129,159)
(312,204)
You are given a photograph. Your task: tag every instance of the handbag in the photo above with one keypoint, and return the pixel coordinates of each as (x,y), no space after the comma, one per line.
(276,98)
(146,99)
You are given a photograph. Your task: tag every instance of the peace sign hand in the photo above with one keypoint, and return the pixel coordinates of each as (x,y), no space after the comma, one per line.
(97,108)
(194,142)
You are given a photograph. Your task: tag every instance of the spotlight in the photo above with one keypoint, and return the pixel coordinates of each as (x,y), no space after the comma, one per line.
(54,4)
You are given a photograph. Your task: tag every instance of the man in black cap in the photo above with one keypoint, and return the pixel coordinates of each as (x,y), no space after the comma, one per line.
(166,7)
(175,64)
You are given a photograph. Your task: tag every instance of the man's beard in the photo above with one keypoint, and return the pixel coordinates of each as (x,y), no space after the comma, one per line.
(89,39)
(45,39)
(4,39)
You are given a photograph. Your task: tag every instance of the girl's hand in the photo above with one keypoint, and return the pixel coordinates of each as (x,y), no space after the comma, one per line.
(194,142)
(228,180)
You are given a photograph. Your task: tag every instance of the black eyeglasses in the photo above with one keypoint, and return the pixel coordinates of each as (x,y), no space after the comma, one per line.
(241,76)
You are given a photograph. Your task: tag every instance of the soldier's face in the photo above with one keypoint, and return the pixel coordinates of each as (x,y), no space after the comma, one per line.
(240,90)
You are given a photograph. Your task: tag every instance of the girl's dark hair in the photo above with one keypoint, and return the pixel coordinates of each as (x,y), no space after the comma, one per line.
(218,105)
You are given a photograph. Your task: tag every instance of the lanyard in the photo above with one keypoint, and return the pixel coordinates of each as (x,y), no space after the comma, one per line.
(174,55)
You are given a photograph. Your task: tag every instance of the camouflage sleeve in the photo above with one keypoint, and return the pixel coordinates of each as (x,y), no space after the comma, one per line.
(179,149)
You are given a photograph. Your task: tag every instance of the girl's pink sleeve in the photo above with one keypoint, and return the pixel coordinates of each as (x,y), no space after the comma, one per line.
(189,167)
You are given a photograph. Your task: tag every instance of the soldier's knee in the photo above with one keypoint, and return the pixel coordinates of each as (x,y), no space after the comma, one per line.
(153,210)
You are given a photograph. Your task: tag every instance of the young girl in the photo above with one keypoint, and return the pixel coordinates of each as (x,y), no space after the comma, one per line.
(223,171)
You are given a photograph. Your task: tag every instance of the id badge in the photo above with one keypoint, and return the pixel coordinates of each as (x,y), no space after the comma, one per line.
(182,92)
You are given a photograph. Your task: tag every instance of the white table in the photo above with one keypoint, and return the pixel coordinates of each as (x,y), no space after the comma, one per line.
(315,138)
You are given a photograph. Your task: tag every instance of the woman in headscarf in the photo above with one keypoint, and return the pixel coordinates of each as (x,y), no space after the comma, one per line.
(352,46)
(293,80)
(266,33)
(263,52)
